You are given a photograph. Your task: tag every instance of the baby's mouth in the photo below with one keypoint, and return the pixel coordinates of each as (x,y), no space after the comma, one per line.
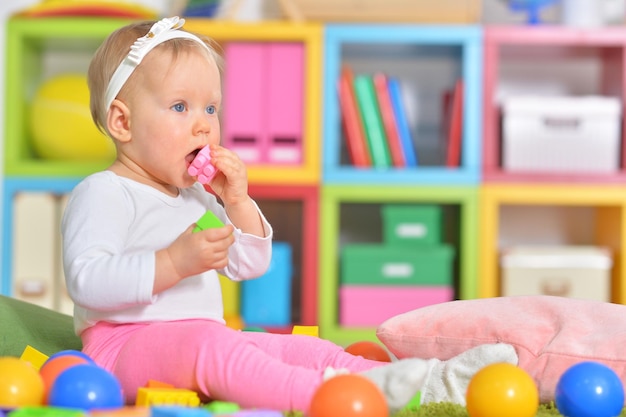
(191,156)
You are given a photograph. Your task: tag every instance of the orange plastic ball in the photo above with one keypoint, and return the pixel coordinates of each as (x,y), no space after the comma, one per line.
(369,350)
(348,396)
(20,384)
(502,389)
(53,367)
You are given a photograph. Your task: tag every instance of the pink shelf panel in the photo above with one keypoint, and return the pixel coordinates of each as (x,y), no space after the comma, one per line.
(607,46)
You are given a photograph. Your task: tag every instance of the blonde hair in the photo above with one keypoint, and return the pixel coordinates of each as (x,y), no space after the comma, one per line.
(115,48)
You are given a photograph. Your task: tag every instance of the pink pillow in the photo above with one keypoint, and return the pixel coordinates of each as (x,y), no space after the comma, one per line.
(550,334)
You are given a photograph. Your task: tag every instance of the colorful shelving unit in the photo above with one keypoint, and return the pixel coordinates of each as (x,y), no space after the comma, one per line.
(318,202)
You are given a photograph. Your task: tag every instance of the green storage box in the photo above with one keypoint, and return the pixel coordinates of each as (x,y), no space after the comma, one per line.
(376,264)
(411,224)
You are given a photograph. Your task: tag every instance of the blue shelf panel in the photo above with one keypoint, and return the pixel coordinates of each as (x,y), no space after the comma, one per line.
(406,46)
(419,176)
(11,187)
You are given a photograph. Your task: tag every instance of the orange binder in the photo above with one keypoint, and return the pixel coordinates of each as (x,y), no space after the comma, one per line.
(455,132)
(389,120)
(351,121)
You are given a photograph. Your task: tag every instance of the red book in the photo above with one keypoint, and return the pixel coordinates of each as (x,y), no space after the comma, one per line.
(455,126)
(351,121)
(389,120)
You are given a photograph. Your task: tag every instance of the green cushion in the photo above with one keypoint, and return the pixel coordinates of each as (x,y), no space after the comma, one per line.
(23,323)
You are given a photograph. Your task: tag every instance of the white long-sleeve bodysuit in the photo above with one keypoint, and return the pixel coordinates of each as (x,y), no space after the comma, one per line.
(113,226)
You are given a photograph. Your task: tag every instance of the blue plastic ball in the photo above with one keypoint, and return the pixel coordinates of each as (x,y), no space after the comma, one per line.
(589,389)
(86,387)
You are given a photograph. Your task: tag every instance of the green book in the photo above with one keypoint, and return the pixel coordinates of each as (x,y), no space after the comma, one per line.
(372,121)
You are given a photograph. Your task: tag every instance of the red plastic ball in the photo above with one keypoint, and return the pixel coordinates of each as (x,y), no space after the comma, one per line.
(348,396)
(54,366)
(369,350)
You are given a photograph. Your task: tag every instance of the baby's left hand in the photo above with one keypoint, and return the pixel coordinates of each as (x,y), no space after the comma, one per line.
(230,182)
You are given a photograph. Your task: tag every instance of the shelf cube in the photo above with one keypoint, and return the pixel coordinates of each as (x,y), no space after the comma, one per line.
(351,214)
(427,60)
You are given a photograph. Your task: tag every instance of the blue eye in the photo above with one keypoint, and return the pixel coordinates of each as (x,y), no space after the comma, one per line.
(180,107)
(211,109)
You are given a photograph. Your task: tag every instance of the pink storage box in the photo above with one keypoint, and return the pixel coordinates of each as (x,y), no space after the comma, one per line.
(371,305)
(263,116)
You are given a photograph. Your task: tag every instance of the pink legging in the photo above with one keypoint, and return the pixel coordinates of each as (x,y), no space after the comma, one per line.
(253,369)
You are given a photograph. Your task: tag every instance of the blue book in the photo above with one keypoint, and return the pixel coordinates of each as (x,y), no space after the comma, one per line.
(403,125)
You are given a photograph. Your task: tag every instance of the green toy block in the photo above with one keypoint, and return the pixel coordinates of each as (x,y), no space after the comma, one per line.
(44,411)
(208,221)
(222,407)
(414,403)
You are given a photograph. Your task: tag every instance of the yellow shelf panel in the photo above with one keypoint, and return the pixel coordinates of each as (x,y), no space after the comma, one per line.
(609,202)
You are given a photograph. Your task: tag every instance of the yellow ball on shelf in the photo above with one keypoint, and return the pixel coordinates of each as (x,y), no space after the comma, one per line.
(61,125)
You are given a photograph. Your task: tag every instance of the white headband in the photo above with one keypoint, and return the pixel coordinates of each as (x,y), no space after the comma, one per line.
(163,30)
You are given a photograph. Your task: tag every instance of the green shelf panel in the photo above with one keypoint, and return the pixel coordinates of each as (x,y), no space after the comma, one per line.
(30,46)
(333,196)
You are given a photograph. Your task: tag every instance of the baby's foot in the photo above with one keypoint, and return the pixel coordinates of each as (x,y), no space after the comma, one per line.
(436,380)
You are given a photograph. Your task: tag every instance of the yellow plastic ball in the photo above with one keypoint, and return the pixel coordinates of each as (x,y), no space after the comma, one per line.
(61,124)
(20,384)
(502,389)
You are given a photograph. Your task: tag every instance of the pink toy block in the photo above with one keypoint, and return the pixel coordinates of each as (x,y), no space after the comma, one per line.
(372,305)
(201,166)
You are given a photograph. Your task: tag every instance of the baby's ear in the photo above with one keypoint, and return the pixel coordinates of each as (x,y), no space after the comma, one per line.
(118,121)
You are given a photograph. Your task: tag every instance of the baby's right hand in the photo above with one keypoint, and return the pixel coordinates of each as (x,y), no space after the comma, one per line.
(196,252)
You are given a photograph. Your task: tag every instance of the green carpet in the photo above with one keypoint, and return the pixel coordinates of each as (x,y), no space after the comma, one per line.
(455,410)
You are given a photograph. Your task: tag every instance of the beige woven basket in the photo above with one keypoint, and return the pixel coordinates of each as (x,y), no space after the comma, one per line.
(423,11)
